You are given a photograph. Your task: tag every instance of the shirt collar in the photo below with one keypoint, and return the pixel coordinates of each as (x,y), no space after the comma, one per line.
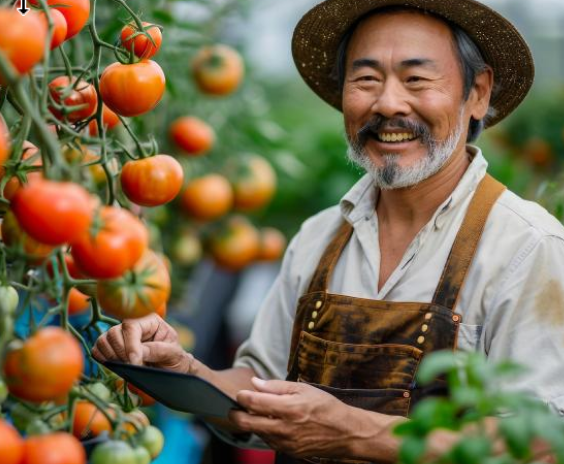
(360,201)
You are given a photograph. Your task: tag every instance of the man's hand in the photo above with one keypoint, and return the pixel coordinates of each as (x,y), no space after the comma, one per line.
(146,340)
(296,418)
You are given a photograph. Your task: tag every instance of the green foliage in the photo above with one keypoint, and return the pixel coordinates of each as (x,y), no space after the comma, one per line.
(478,392)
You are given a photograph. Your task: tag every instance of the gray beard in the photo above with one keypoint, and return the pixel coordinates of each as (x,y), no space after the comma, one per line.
(392,176)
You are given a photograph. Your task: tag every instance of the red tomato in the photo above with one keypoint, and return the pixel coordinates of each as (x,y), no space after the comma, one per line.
(76,13)
(11,444)
(140,45)
(152,181)
(53,212)
(22,49)
(45,367)
(59,27)
(192,135)
(116,243)
(109,121)
(208,197)
(67,93)
(132,89)
(4,141)
(54,448)
(137,294)
(78,302)
(218,70)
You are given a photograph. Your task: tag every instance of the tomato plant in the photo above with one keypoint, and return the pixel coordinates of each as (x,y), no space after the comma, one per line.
(45,367)
(137,42)
(218,69)
(132,89)
(114,244)
(110,120)
(76,13)
(194,136)
(152,181)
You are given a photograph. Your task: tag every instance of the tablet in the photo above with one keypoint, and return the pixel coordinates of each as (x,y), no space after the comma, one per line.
(181,392)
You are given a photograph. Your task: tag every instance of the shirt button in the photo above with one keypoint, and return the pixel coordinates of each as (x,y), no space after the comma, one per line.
(318,304)
(311,325)
(314,315)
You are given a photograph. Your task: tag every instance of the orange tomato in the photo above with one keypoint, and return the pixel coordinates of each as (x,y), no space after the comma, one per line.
(141,45)
(21,49)
(14,236)
(192,135)
(138,293)
(59,27)
(45,367)
(207,198)
(254,185)
(76,13)
(89,420)
(132,89)
(11,444)
(218,70)
(54,448)
(152,181)
(69,93)
(109,121)
(236,245)
(4,141)
(78,302)
(272,244)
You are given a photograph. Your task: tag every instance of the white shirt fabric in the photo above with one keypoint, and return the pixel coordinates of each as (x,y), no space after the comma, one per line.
(512,303)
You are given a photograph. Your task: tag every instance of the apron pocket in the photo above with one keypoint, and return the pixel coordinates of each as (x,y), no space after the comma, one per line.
(356,367)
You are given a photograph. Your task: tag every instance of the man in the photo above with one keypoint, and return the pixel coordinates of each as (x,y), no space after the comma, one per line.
(425,252)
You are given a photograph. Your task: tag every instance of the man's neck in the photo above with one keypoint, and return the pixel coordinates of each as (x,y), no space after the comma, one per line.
(413,207)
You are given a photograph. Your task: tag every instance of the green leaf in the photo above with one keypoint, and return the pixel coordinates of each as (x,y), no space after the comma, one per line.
(435,364)
(412,450)
(163,16)
(434,413)
(471,450)
(517,434)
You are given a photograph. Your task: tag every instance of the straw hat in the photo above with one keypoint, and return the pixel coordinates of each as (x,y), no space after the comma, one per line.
(318,35)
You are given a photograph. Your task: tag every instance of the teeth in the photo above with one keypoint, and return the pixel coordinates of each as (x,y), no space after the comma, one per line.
(393,137)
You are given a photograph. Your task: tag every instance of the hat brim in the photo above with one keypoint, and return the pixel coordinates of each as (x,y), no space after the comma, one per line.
(319,33)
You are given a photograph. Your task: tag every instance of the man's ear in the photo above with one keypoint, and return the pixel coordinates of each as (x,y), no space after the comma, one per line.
(481,94)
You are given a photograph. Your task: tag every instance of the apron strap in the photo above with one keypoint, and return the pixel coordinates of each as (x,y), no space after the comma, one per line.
(466,242)
(321,276)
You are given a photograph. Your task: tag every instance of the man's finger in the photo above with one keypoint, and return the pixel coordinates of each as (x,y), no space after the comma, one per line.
(158,352)
(114,338)
(257,424)
(266,404)
(136,331)
(276,387)
(102,350)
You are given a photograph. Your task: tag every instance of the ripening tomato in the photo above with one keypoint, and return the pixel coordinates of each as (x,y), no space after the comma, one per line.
(192,135)
(53,212)
(116,242)
(132,89)
(272,244)
(141,45)
(113,452)
(78,302)
(236,245)
(76,13)
(14,236)
(207,198)
(59,27)
(254,184)
(152,439)
(4,141)
(89,420)
(11,444)
(22,49)
(218,70)
(69,93)
(140,292)
(109,121)
(54,448)
(30,157)
(45,367)
(152,181)
(187,248)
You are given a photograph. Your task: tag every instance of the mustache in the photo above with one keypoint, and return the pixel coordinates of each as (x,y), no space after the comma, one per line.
(378,123)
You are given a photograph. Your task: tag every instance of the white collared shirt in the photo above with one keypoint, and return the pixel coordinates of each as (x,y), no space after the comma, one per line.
(512,302)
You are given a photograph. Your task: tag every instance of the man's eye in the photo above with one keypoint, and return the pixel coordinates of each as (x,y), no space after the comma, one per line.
(366,78)
(414,79)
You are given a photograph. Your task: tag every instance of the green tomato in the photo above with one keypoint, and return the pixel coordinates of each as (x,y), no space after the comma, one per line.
(9,300)
(152,439)
(3,391)
(113,452)
(37,427)
(142,455)
(21,416)
(100,390)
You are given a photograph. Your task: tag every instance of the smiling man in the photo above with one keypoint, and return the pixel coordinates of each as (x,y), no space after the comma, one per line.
(426,252)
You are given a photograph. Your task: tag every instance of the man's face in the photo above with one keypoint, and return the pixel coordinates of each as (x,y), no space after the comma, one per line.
(403,102)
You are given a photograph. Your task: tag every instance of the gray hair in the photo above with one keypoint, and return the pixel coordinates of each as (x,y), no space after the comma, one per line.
(470,57)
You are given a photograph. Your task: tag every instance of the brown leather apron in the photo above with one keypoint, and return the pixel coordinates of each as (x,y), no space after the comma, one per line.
(366,352)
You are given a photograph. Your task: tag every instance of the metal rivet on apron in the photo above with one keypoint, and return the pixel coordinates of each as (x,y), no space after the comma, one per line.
(406,394)
(314,315)
(421,339)
(318,304)
(424,328)
(428,316)
(455,318)
(311,325)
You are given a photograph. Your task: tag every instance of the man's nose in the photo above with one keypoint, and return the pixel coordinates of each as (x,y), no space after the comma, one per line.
(392,101)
